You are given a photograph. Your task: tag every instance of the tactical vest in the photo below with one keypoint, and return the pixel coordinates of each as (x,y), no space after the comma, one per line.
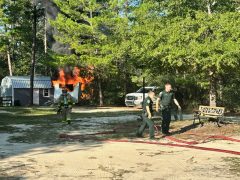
(166,99)
(148,102)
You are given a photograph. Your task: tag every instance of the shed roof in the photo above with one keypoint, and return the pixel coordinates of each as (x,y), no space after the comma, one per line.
(24,81)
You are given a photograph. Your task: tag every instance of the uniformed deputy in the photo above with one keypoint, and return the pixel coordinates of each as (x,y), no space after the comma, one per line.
(166,99)
(147,116)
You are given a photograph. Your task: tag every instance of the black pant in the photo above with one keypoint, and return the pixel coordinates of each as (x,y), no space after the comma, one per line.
(166,115)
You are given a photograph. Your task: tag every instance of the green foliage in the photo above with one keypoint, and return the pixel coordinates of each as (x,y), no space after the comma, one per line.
(16,18)
(183,39)
(186,42)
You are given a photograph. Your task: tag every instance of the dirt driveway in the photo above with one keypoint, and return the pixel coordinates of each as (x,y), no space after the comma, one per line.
(31,147)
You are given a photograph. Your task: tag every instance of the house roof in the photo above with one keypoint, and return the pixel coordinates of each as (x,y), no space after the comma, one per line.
(24,81)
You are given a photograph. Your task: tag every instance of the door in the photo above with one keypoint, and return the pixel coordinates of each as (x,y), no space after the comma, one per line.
(36,96)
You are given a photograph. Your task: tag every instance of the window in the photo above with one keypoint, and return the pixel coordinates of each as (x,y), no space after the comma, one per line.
(46,92)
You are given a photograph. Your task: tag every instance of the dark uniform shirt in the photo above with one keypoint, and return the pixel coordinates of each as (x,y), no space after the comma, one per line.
(148,102)
(166,99)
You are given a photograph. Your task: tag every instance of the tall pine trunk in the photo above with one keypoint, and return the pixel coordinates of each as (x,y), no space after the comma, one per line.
(100,91)
(45,33)
(213,82)
(8,55)
(125,83)
(9,62)
(213,92)
(32,72)
(125,86)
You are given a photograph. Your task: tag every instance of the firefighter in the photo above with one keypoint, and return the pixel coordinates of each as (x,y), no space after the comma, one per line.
(65,103)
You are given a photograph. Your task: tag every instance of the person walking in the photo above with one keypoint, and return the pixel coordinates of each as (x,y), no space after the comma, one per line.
(147,116)
(165,100)
(65,103)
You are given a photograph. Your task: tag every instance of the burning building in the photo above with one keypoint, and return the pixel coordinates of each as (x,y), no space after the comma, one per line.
(72,80)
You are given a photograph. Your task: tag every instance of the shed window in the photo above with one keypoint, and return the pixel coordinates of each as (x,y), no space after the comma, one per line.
(46,92)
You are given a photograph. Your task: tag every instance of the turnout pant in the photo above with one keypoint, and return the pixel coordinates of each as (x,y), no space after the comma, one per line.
(146,122)
(166,119)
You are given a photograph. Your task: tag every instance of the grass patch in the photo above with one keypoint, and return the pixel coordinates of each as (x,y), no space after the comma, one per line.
(37,134)
(8,119)
(48,125)
(9,129)
(29,116)
(33,116)
(27,110)
(50,133)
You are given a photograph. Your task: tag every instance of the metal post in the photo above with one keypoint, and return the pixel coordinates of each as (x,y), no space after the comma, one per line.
(143,86)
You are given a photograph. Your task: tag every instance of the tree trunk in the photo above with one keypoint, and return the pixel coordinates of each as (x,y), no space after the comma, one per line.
(213,85)
(45,33)
(209,7)
(32,72)
(125,83)
(8,55)
(125,74)
(213,92)
(220,94)
(100,91)
(9,62)
(210,4)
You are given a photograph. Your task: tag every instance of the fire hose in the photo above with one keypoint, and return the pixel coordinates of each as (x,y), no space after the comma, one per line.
(220,137)
(185,144)
(178,145)
(171,138)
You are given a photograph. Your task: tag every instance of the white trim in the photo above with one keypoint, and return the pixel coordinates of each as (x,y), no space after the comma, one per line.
(36,96)
(49,92)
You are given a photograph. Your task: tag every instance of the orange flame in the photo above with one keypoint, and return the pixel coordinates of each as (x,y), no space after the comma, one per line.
(72,78)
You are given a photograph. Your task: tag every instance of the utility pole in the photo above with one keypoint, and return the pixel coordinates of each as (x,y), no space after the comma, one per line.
(32,72)
(143,84)
(143,89)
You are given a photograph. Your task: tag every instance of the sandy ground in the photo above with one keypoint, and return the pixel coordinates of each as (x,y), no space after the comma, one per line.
(92,159)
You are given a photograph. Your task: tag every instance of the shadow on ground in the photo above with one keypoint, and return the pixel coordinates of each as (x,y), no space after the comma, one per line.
(24,129)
